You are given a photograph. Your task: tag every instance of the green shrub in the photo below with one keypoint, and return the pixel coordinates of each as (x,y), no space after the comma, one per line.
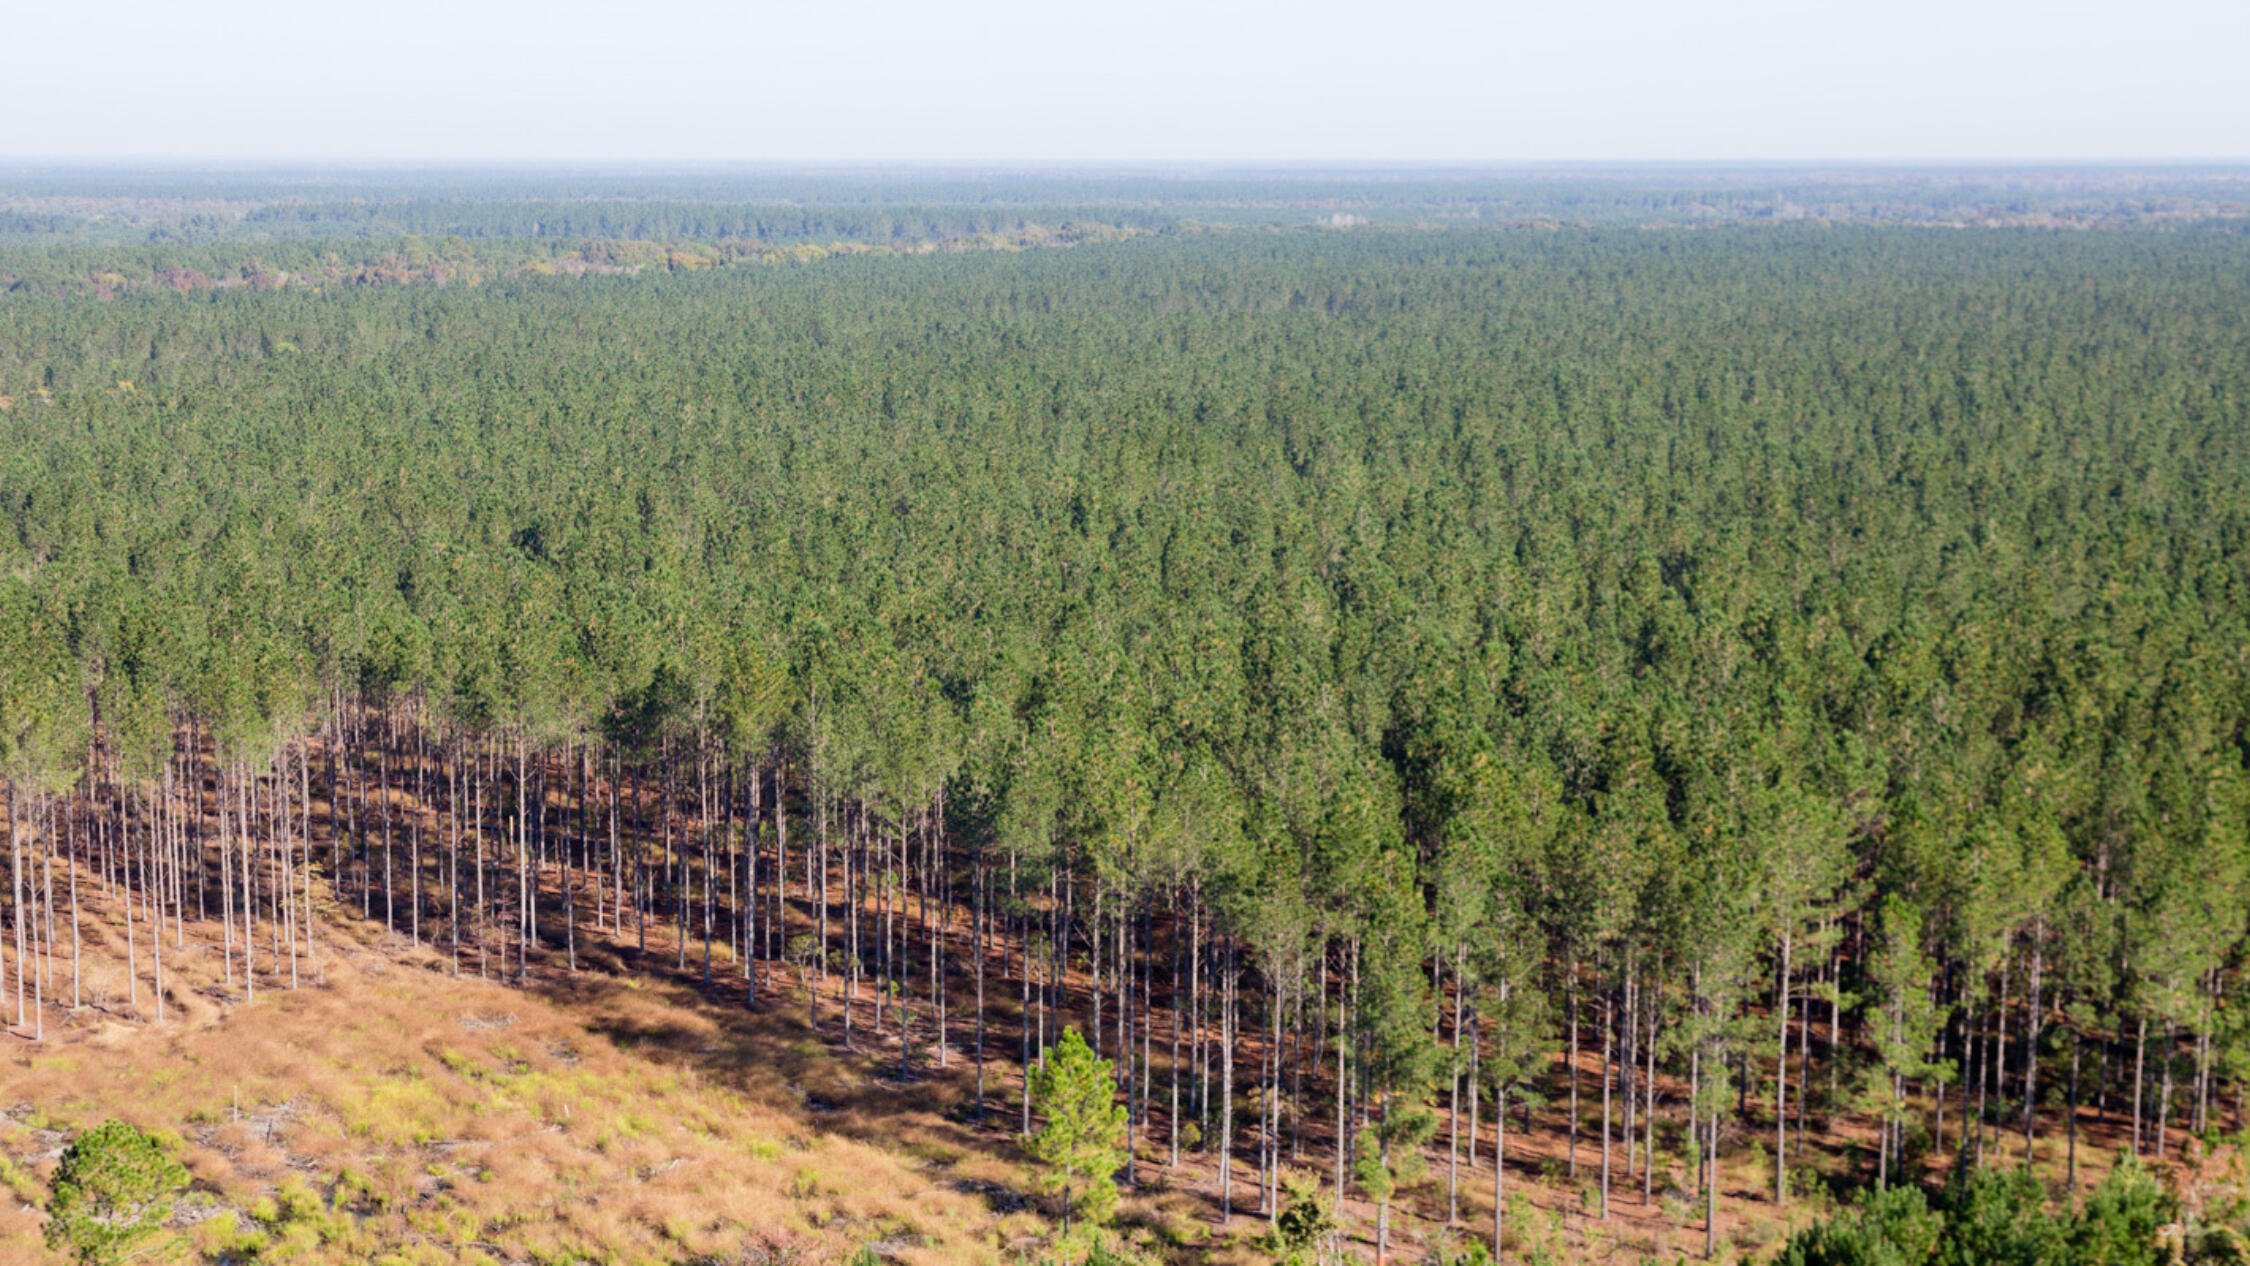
(111,1195)
(1302,1225)
(1894,1227)
(1998,1217)
(2122,1218)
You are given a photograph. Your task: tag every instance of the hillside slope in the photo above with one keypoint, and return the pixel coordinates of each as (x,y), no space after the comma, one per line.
(386,1111)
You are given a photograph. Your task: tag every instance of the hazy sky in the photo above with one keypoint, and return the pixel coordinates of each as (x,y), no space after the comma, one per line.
(1391,80)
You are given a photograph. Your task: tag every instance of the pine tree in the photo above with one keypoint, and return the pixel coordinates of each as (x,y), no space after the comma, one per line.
(1080,1142)
(111,1195)
(1906,1025)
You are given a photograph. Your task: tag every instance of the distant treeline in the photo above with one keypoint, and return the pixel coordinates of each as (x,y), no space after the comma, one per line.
(265,205)
(108,270)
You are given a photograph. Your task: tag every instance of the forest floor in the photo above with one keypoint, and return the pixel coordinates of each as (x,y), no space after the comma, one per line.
(396,1107)
(388,1111)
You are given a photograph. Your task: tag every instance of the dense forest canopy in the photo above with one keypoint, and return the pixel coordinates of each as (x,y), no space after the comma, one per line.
(1684,644)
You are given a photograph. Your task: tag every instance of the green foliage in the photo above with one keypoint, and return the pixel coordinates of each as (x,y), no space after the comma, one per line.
(2120,1222)
(1303,1226)
(1907,1017)
(1895,1227)
(1092,1249)
(2215,1246)
(110,1196)
(1999,1217)
(1468,1252)
(1080,1143)
(1369,1168)
(295,1223)
(1388,1155)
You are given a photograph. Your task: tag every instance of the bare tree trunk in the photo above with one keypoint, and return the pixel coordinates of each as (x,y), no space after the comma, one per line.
(1711,1192)
(2140,1066)
(703,829)
(226,876)
(1226,1092)
(453,797)
(305,837)
(1499,1170)
(576,847)
(481,773)
(414,831)
(524,879)
(1453,1110)
(2072,1127)
(247,821)
(2166,1055)
(39,970)
(905,950)
(1023,991)
(70,863)
(980,933)
(15,853)
(1648,1092)
(1343,1090)
(1571,1020)
(383,781)
(777,926)
(285,857)
(1628,1062)
(2032,1022)
(1608,1045)
(2202,1051)
(1177,1016)
(153,888)
(752,845)
(1275,999)
(1781,1081)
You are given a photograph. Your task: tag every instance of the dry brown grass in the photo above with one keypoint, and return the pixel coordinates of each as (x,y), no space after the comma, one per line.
(388,1112)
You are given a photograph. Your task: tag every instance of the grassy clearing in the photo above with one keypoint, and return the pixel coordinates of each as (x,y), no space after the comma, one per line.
(390,1113)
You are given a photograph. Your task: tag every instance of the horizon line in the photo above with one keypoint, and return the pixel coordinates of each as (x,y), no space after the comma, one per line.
(303,162)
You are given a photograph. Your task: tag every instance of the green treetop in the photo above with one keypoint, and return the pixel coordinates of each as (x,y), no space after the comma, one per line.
(1080,1143)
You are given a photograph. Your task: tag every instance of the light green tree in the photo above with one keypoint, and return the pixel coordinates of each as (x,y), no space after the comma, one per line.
(111,1195)
(1906,1027)
(1080,1143)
